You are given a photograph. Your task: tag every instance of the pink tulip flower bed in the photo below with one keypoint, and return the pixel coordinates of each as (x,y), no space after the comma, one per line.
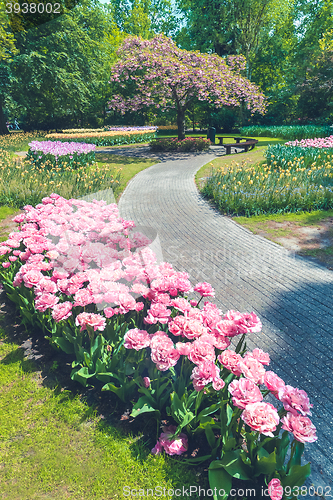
(319,142)
(91,284)
(60,153)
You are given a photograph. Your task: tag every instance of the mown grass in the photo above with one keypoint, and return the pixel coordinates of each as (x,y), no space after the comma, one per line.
(301,218)
(127,165)
(54,446)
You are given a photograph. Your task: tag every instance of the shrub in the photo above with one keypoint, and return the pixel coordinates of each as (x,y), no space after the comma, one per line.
(173,144)
(290,132)
(107,138)
(58,154)
(96,291)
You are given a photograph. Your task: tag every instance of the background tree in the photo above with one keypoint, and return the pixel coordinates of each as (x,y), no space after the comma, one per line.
(60,73)
(157,74)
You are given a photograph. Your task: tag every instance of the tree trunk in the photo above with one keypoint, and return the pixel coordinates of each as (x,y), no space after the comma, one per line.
(3,127)
(181,124)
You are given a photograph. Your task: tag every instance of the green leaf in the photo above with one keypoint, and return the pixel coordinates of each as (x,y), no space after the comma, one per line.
(64,345)
(82,375)
(210,436)
(235,466)
(177,407)
(296,476)
(208,411)
(297,457)
(266,465)
(230,413)
(219,479)
(143,406)
(282,447)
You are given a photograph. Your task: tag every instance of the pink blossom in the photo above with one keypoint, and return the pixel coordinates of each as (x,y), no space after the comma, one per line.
(163,353)
(45,285)
(201,351)
(227,328)
(146,382)
(31,278)
(273,382)
(171,445)
(136,339)
(184,348)
(246,322)
(275,489)
(177,325)
(62,311)
(252,369)
(301,427)
(6,265)
(244,392)
(204,374)
(109,312)
(259,355)
(230,360)
(157,313)
(193,328)
(261,417)
(218,384)
(205,290)
(90,319)
(181,304)
(46,301)
(294,400)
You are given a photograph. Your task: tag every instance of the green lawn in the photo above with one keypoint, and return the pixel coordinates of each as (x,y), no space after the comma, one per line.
(302,218)
(130,166)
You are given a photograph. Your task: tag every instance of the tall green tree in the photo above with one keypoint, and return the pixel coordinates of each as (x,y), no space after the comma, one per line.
(230,26)
(61,71)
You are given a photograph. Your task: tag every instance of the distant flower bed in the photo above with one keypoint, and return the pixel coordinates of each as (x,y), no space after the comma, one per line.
(109,128)
(173,144)
(95,289)
(290,132)
(61,153)
(108,138)
(325,142)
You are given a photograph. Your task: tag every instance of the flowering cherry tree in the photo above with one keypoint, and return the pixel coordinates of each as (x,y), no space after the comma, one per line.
(157,74)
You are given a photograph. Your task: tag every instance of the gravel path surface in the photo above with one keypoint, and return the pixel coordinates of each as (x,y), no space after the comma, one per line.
(291,295)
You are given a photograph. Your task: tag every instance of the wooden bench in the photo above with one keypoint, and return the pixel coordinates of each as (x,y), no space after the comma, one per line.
(247,145)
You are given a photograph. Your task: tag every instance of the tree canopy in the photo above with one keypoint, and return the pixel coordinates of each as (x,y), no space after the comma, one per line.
(157,74)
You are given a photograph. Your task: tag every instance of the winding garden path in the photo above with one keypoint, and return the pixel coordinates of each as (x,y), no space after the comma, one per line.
(292,295)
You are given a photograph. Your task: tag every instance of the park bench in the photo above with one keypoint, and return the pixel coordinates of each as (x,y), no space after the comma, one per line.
(247,145)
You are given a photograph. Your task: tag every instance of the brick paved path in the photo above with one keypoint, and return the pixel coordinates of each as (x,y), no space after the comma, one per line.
(291,295)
